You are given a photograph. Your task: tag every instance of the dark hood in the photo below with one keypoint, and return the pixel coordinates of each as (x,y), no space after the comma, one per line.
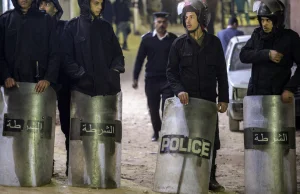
(85,7)
(58,7)
(17,6)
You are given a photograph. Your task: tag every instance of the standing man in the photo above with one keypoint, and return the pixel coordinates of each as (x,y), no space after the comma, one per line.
(122,20)
(231,31)
(156,47)
(94,58)
(272,50)
(152,7)
(53,8)
(28,51)
(197,66)
(108,13)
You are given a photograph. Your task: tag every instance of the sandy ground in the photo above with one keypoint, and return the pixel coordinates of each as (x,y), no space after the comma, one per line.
(139,153)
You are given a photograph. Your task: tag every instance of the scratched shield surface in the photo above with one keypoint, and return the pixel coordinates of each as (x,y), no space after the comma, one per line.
(269,137)
(27,124)
(183,161)
(95,141)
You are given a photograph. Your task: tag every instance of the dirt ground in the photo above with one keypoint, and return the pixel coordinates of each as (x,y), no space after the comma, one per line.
(139,153)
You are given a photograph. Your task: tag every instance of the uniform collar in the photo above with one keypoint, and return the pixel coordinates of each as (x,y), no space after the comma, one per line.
(160,38)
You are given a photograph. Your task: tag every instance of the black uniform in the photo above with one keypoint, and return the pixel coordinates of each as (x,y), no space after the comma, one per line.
(267,77)
(197,70)
(94,59)
(156,84)
(25,40)
(63,93)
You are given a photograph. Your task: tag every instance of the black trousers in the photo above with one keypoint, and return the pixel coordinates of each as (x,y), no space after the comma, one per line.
(157,90)
(64,106)
(217,144)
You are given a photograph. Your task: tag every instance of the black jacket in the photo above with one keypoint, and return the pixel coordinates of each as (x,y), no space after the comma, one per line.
(269,78)
(93,54)
(108,13)
(60,25)
(26,40)
(122,11)
(157,53)
(197,70)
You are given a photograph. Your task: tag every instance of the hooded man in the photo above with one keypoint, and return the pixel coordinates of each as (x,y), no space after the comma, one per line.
(53,8)
(28,51)
(94,58)
(272,50)
(197,67)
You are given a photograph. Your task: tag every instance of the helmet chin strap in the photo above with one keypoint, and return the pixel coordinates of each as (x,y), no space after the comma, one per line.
(192,31)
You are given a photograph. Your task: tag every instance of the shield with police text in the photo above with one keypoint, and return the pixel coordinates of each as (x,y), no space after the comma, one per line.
(95,141)
(270,148)
(186,146)
(26,135)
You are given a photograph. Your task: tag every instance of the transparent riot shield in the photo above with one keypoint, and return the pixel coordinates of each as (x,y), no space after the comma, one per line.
(27,125)
(186,147)
(95,141)
(269,137)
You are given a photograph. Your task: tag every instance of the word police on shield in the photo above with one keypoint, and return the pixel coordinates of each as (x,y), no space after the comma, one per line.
(185,145)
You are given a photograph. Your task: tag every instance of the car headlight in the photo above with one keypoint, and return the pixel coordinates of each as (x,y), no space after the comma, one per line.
(239,93)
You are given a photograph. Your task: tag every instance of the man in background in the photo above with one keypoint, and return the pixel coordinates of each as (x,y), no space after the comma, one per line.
(155,46)
(231,31)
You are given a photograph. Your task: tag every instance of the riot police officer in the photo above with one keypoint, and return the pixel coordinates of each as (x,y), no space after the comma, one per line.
(94,58)
(197,65)
(28,50)
(272,50)
(53,8)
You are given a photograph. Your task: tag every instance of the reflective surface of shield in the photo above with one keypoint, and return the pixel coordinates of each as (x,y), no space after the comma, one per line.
(95,141)
(270,156)
(27,125)
(186,145)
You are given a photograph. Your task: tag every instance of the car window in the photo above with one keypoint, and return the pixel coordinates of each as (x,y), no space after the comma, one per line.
(235,62)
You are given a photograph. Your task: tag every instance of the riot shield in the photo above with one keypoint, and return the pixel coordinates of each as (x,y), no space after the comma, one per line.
(269,138)
(27,125)
(95,141)
(186,146)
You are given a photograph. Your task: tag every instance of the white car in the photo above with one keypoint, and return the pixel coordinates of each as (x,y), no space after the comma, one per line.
(238,78)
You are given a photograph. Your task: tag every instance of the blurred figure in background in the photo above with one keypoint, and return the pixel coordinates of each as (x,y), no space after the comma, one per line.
(122,20)
(152,7)
(108,12)
(231,31)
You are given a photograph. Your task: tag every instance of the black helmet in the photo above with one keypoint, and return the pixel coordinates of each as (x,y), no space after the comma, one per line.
(273,9)
(197,6)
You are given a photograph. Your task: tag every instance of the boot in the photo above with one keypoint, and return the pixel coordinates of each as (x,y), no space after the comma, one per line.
(213,183)
(125,47)
(155,136)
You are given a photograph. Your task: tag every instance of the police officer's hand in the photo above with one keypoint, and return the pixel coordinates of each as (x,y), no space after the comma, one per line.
(10,82)
(275,56)
(287,96)
(184,98)
(135,84)
(41,86)
(222,107)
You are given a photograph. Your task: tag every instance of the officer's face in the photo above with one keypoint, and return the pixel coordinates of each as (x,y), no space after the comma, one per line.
(267,24)
(161,25)
(48,7)
(96,6)
(25,4)
(191,21)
